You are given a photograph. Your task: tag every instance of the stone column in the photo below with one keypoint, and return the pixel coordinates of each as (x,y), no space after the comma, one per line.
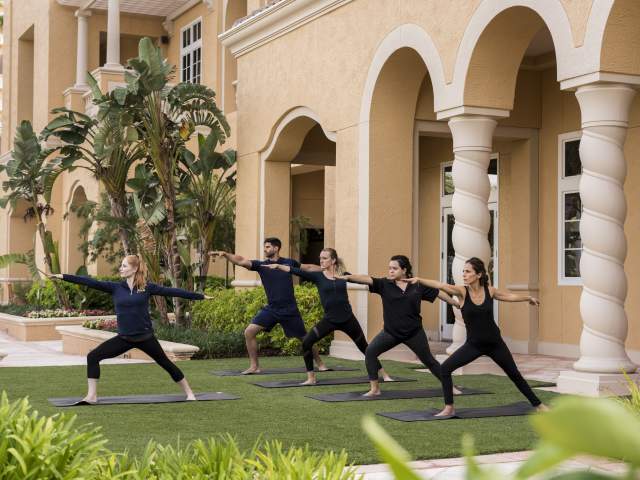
(472,139)
(605,112)
(82,52)
(113,35)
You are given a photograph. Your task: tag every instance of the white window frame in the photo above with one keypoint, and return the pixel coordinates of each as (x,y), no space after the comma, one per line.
(565,185)
(190,49)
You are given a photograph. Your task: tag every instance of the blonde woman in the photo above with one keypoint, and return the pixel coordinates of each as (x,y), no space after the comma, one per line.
(135,330)
(337,309)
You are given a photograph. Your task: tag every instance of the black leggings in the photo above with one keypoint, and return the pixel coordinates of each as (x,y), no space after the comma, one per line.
(385,341)
(323,328)
(499,353)
(117,346)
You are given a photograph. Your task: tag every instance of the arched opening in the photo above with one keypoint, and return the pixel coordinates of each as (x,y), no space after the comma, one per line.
(298,186)
(74,256)
(235,9)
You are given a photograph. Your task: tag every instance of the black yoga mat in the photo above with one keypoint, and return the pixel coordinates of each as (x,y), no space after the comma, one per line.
(275,371)
(390,395)
(514,409)
(325,381)
(141,399)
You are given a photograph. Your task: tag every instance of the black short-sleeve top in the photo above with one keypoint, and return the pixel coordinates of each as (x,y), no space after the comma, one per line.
(401,308)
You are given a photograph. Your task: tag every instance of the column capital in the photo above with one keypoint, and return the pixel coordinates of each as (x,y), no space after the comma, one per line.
(472,132)
(472,111)
(605,104)
(81,13)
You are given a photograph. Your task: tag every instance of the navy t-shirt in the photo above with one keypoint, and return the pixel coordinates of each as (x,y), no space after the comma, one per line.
(278,285)
(401,309)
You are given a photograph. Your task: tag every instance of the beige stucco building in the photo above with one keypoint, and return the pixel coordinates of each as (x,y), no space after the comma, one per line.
(504,129)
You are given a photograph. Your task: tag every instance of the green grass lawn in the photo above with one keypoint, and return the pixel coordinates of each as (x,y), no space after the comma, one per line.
(283,414)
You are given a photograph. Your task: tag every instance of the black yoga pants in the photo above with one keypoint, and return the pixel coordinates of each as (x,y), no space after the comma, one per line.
(499,353)
(323,328)
(117,346)
(385,341)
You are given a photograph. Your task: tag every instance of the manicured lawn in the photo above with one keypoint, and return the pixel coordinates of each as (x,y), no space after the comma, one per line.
(284,414)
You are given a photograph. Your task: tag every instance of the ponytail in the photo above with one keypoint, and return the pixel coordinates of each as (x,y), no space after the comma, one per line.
(140,277)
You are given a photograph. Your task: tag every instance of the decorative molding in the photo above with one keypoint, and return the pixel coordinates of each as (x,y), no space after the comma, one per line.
(273,22)
(523,288)
(246,283)
(469,110)
(599,77)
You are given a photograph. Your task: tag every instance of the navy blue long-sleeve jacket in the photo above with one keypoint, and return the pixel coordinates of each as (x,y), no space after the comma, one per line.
(132,306)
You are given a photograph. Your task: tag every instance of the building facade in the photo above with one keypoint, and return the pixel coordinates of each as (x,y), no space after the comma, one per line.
(502,129)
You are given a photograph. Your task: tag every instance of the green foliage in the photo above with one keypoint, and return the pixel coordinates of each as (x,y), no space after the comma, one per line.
(43,295)
(232,310)
(574,426)
(216,283)
(212,344)
(36,447)
(633,401)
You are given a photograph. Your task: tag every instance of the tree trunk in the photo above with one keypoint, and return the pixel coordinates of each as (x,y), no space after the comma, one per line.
(119,210)
(60,293)
(173,259)
(203,265)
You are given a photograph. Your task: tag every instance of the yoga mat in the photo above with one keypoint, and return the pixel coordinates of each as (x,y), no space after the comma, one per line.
(275,371)
(325,381)
(141,399)
(390,395)
(514,409)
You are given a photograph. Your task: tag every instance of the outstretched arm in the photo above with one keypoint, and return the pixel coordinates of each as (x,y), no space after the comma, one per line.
(310,267)
(445,297)
(232,257)
(86,281)
(507,296)
(450,289)
(161,291)
(363,279)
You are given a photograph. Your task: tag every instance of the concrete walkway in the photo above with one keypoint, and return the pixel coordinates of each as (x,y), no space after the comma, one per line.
(43,354)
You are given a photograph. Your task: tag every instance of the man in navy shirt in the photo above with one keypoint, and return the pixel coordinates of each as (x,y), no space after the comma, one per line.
(281,308)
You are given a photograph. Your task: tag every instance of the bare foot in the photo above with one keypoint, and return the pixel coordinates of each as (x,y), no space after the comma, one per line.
(456,391)
(323,368)
(387,378)
(372,393)
(191,398)
(90,400)
(447,411)
(251,370)
(542,408)
(309,382)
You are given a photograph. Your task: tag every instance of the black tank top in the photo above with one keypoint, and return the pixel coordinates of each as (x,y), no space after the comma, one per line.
(481,326)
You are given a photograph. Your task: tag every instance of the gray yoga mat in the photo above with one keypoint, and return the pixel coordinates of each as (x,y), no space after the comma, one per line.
(325,381)
(390,395)
(275,371)
(511,410)
(141,399)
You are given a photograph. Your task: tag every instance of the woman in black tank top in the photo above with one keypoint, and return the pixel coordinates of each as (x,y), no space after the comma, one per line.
(483,335)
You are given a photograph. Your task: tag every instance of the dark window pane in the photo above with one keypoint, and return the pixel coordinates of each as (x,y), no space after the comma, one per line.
(572,263)
(493,167)
(572,235)
(572,206)
(572,164)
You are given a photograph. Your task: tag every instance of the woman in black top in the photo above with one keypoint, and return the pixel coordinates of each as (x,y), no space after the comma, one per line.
(131,301)
(337,309)
(483,335)
(401,315)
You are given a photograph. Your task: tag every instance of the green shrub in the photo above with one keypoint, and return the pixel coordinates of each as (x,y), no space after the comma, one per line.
(20,310)
(36,447)
(216,283)
(232,310)
(212,344)
(43,295)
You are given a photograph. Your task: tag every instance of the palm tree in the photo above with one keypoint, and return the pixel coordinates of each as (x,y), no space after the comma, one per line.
(207,192)
(107,146)
(167,118)
(31,177)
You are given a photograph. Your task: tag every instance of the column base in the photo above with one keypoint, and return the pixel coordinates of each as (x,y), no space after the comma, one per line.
(594,384)
(481,366)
